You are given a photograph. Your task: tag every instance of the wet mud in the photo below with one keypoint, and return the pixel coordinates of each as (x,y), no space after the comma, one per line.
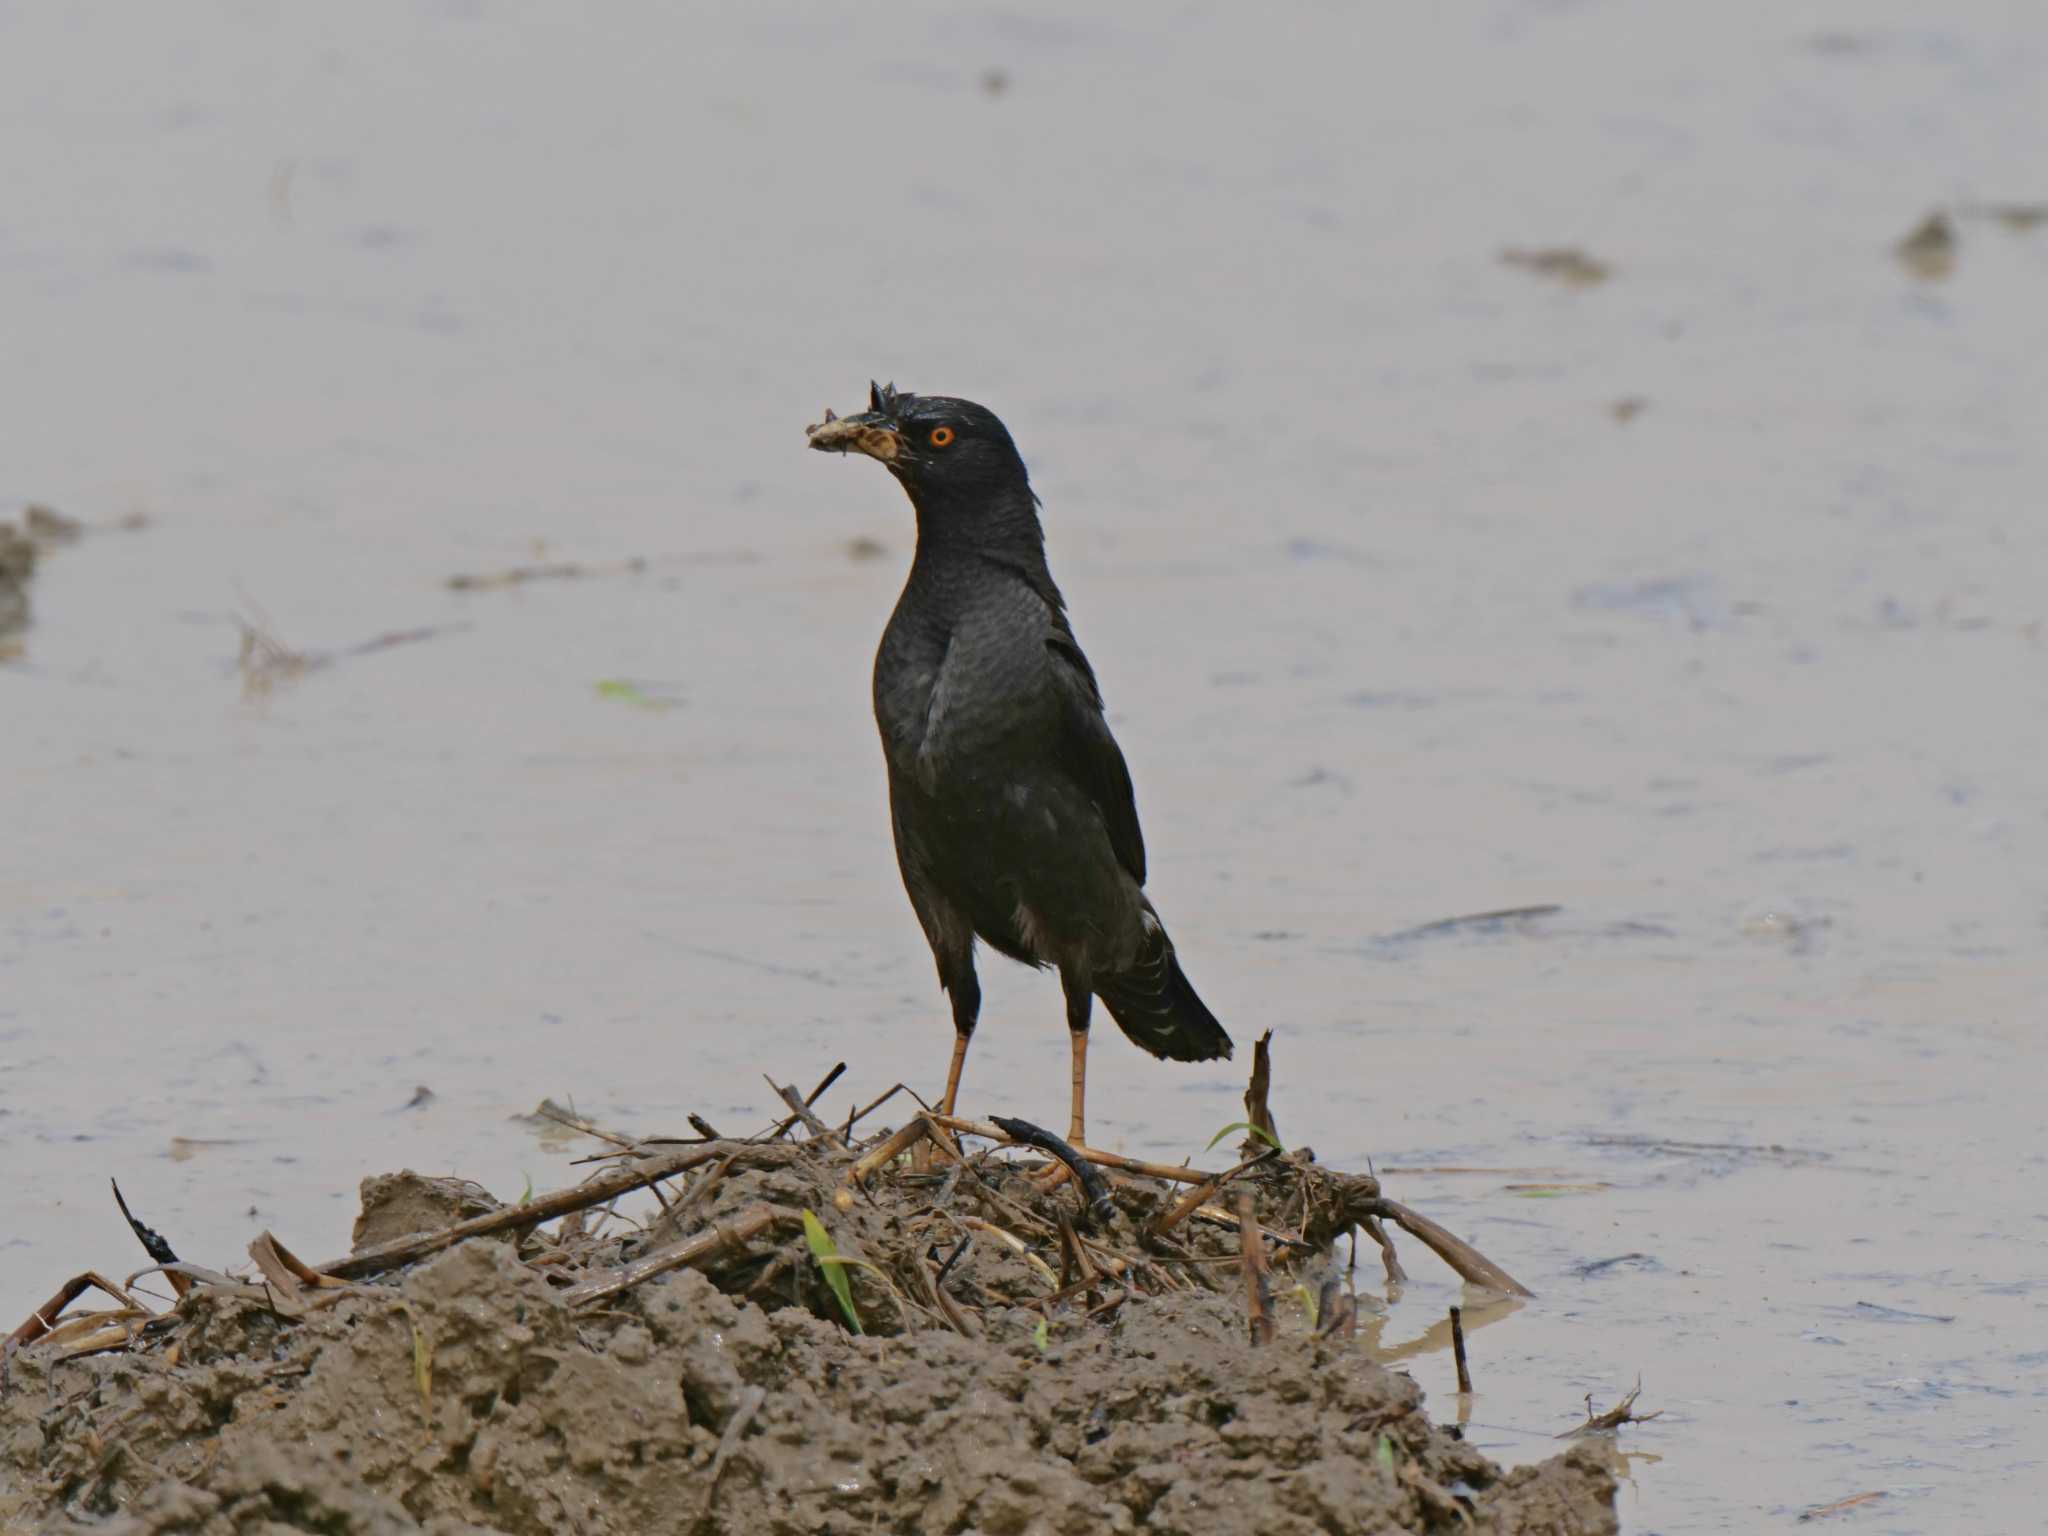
(496,1386)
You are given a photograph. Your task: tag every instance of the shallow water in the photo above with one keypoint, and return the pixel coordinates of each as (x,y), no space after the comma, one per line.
(1398,622)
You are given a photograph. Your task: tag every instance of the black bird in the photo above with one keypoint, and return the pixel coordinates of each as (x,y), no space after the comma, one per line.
(1012,807)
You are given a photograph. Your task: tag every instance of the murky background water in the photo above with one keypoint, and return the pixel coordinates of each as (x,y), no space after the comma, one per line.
(1400,618)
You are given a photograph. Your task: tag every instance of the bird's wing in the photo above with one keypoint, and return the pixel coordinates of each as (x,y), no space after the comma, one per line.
(1090,752)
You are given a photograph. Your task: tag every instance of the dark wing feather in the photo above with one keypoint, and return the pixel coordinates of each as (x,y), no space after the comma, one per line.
(1091,754)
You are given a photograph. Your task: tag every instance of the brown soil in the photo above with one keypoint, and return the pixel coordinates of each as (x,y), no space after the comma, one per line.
(470,1392)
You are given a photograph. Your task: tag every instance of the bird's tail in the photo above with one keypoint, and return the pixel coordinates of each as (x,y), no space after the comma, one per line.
(1155,1004)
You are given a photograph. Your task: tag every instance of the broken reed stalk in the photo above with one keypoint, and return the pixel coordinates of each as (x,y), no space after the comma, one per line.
(44,1318)
(1252,1254)
(1458,1350)
(1258,1113)
(800,1109)
(1396,1275)
(1468,1261)
(592,1191)
(782,1127)
(722,1238)
(888,1150)
(1202,1194)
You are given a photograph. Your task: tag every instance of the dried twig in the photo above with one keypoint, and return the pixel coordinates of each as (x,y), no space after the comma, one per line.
(691,1253)
(800,1110)
(1258,1113)
(593,1191)
(1621,1413)
(1468,1261)
(1458,1350)
(1841,1506)
(1396,1275)
(1252,1255)
(41,1321)
(886,1151)
(560,570)
(782,1128)
(1202,1194)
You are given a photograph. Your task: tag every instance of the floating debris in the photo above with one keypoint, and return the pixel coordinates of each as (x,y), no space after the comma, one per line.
(17,565)
(1592,1267)
(1623,1412)
(1552,1191)
(184,1148)
(1565,264)
(2020,218)
(1665,1144)
(1496,921)
(264,660)
(1843,1506)
(1883,1314)
(1929,252)
(560,570)
(46,525)
(640,693)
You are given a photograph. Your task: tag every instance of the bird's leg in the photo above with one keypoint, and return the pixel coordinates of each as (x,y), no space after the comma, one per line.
(965,990)
(1077,1120)
(946,1105)
(1079,1003)
(1080,1000)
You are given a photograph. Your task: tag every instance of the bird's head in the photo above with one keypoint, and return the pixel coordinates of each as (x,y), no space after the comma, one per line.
(948,453)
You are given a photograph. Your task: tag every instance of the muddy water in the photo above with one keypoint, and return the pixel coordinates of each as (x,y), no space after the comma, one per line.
(1399,618)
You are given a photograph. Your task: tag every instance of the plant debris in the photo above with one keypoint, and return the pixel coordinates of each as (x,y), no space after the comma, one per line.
(2020,218)
(1623,1412)
(17,565)
(1565,264)
(814,1330)
(640,693)
(559,570)
(1929,252)
(46,525)
(1843,1506)
(264,660)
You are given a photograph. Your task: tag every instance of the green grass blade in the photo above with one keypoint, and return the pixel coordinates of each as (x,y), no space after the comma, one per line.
(1245,1125)
(832,1266)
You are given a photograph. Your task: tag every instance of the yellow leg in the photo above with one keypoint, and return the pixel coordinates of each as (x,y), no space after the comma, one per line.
(953,1074)
(1077,1122)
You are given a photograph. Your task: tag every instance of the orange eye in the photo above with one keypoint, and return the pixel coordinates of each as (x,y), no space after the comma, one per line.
(941,436)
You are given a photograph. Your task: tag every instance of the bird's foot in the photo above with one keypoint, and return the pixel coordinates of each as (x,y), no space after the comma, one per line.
(1046,1180)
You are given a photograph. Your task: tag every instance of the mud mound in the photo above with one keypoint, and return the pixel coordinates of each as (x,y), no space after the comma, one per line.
(1004,1358)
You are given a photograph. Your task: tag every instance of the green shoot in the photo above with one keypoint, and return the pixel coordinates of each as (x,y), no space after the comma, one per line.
(1245,1125)
(833,1266)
